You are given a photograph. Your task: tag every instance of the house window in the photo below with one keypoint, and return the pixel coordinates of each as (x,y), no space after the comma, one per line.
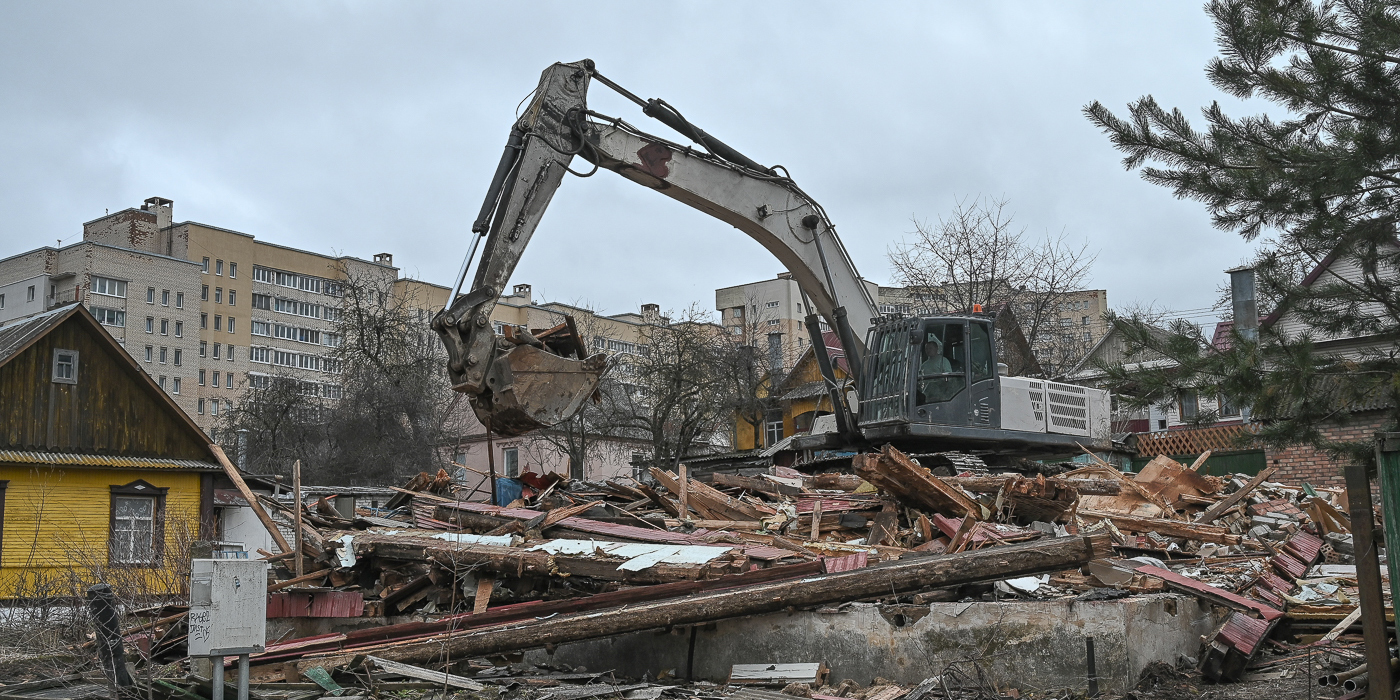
(230,324)
(205,266)
(201,407)
(203,348)
(218,295)
(109,317)
(163,352)
(772,432)
(179,329)
(1227,407)
(179,300)
(150,295)
(103,285)
(736,312)
(204,293)
(137,511)
(233,297)
(216,380)
(178,353)
(162,382)
(165,326)
(204,320)
(233,271)
(511,460)
(218,322)
(149,352)
(229,354)
(150,324)
(217,348)
(29,296)
(201,379)
(1189,405)
(213,407)
(165,297)
(228,380)
(176,385)
(218,267)
(65,366)
(1162,424)
(771,305)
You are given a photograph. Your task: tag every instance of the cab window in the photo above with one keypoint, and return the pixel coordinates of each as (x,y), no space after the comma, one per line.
(942,363)
(980,352)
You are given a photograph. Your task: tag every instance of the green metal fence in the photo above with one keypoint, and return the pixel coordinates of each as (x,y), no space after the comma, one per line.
(1219,463)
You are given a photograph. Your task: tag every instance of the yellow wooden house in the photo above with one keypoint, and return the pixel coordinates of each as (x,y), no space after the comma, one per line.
(102,476)
(801,396)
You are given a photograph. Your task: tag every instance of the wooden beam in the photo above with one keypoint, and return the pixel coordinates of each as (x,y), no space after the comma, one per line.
(1169,528)
(890,578)
(296,510)
(1229,501)
(248,496)
(898,475)
(1200,461)
(299,579)
(423,674)
(993,484)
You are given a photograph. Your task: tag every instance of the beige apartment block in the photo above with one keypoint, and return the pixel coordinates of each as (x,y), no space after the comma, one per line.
(204,309)
(771,314)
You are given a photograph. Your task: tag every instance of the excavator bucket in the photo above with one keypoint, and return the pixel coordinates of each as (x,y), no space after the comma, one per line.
(533,388)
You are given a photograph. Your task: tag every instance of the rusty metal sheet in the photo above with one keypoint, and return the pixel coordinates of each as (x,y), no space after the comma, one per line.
(1244,633)
(850,562)
(1211,592)
(1305,547)
(1289,566)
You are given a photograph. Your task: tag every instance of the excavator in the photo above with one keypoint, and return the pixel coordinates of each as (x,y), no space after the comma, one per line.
(923,384)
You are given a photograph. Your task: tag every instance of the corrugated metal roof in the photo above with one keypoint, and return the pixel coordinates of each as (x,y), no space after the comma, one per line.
(18,333)
(89,460)
(1244,633)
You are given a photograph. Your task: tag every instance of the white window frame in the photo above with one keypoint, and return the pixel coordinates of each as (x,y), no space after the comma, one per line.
(65,372)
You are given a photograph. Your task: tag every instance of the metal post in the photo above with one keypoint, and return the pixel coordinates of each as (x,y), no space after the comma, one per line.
(491,461)
(1092,672)
(216,679)
(102,606)
(242,677)
(1368,579)
(296,532)
(1388,468)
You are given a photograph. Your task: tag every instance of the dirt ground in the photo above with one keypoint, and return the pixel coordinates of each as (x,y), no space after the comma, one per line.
(1164,683)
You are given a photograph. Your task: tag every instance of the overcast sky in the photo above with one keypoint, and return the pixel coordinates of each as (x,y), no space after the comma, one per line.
(358,128)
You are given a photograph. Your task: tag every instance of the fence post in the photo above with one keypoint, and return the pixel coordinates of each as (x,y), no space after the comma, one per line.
(102,606)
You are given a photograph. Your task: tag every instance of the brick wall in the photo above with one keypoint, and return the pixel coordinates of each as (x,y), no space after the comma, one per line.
(1302,463)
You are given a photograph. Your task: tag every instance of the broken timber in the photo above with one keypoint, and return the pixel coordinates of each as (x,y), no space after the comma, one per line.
(914,574)
(897,474)
(1168,528)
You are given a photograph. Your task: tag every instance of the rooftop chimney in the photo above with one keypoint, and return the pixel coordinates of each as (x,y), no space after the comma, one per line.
(651,313)
(384,258)
(163,208)
(1244,303)
(522,291)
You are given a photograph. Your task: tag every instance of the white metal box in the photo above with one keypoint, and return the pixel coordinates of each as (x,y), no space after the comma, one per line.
(1100,414)
(228,607)
(1023,404)
(1068,406)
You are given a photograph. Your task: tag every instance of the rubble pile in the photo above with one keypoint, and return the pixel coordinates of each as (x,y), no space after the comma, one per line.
(462,587)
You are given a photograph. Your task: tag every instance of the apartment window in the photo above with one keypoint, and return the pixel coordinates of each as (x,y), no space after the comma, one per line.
(150,324)
(773,322)
(1227,407)
(165,297)
(29,296)
(163,352)
(204,293)
(2,301)
(203,348)
(175,385)
(205,267)
(510,457)
(229,354)
(65,366)
(201,405)
(204,320)
(101,285)
(179,300)
(218,267)
(261,328)
(218,295)
(228,380)
(201,379)
(1088,335)
(1189,405)
(218,322)
(110,317)
(262,301)
(179,329)
(233,270)
(165,326)
(215,383)
(258,355)
(230,324)
(150,351)
(217,348)
(162,382)
(150,295)
(233,297)
(771,305)
(179,354)
(213,407)
(332,340)
(736,330)
(736,312)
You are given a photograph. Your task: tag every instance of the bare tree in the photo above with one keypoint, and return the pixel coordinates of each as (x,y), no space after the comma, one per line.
(669,392)
(978,255)
(750,367)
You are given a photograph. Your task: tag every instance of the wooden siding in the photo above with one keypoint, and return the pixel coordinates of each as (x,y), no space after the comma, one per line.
(57,524)
(110,410)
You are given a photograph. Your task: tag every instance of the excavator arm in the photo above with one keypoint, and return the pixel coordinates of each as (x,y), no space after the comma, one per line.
(517,385)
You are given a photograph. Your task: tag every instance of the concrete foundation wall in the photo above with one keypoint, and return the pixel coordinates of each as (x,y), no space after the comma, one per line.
(1033,646)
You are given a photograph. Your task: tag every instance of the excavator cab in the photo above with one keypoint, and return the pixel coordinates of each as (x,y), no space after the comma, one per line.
(940,370)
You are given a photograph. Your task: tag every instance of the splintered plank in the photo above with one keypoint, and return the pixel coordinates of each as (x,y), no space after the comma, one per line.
(1229,501)
(897,474)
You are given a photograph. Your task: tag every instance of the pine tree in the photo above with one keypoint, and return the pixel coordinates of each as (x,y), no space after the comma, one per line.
(1321,181)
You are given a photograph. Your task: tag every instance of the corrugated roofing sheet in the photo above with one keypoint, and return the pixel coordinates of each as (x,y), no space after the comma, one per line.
(90,460)
(1244,633)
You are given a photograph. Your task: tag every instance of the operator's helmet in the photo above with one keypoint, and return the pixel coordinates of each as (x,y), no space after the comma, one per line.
(933,348)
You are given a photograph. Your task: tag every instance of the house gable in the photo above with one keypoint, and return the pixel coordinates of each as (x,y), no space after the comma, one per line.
(111,408)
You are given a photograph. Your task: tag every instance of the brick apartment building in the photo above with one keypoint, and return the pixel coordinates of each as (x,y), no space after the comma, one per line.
(204,310)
